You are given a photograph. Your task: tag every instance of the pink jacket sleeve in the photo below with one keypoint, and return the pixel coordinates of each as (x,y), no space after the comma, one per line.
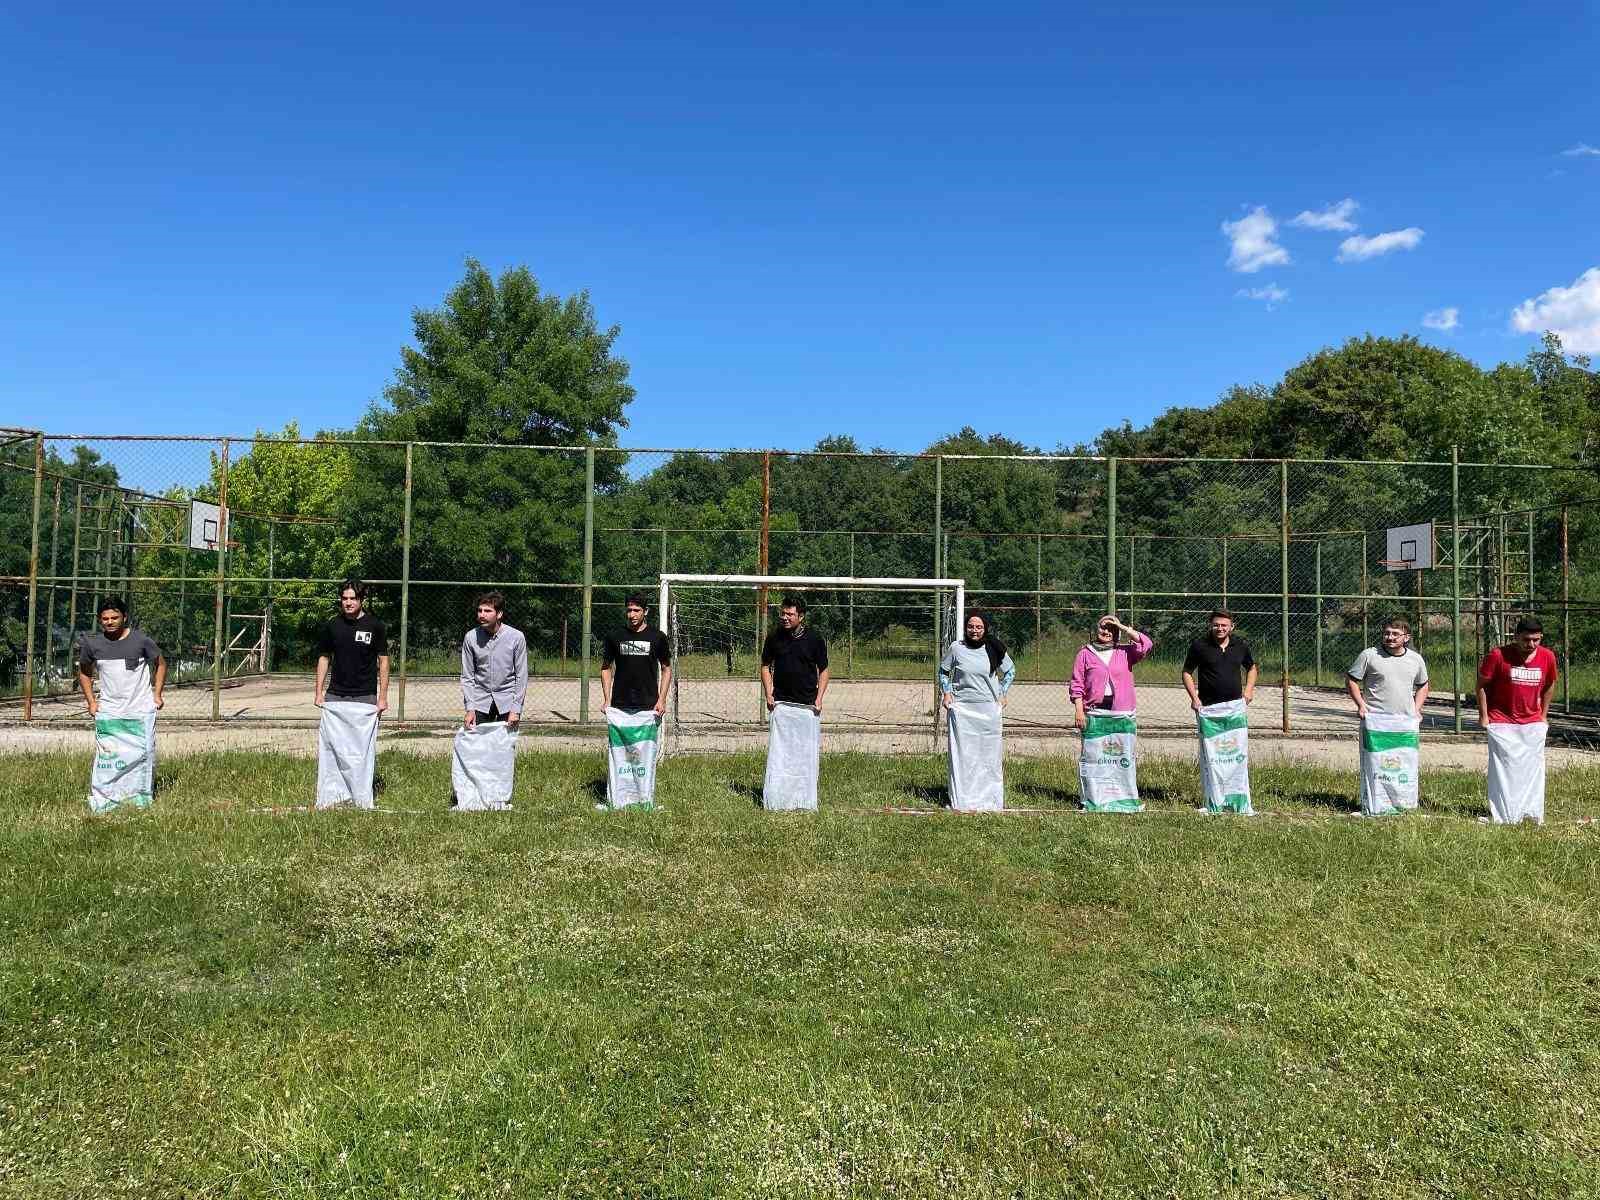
(1139,647)
(1080,671)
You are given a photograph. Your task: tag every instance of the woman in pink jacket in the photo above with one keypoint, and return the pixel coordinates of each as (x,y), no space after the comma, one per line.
(1102,676)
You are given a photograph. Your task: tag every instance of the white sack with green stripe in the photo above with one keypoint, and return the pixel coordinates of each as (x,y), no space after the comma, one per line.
(347,753)
(794,755)
(977,769)
(124,762)
(1516,772)
(1108,772)
(483,767)
(632,743)
(1389,763)
(1225,757)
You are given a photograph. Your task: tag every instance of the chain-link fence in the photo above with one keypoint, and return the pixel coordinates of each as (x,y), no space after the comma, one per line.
(1298,551)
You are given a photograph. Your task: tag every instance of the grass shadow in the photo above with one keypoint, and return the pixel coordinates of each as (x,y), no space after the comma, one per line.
(1045,793)
(749,791)
(597,789)
(937,794)
(1333,801)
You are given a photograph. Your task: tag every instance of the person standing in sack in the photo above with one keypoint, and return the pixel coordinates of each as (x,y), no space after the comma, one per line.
(1389,685)
(494,686)
(1103,704)
(1514,686)
(794,677)
(352,690)
(132,674)
(974,677)
(635,675)
(1219,673)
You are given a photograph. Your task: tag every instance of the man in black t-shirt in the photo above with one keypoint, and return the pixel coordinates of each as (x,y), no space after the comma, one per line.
(1213,666)
(794,661)
(636,663)
(356,646)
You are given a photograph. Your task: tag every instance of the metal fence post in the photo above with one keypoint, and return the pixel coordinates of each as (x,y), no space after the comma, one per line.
(1224,570)
(1566,608)
(50,604)
(1319,612)
(225,528)
(588,584)
(33,576)
(1455,586)
(1111,535)
(938,573)
(1283,551)
(405,584)
(77,545)
(1038,607)
(1365,605)
(850,656)
(1133,585)
(763,567)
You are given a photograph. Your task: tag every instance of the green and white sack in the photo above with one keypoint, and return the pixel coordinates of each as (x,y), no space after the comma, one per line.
(1389,763)
(483,767)
(977,767)
(794,754)
(632,743)
(1108,772)
(124,768)
(1516,772)
(1225,757)
(347,753)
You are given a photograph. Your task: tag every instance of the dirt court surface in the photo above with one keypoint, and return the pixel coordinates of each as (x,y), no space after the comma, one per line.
(877,716)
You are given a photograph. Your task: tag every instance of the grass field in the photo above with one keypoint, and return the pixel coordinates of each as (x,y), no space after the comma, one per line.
(708,1000)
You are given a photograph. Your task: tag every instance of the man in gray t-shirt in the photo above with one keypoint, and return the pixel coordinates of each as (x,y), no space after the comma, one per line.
(1390,677)
(125,663)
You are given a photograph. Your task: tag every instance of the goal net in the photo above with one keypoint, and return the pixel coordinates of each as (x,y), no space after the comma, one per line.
(885,638)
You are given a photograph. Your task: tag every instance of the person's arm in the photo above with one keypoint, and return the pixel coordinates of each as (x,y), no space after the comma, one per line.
(946,665)
(822,690)
(1139,644)
(1422,697)
(766,685)
(1190,662)
(1549,690)
(470,718)
(160,680)
(383,684)
(322,680)
(1008,673)
(86,682)
(663,690)
(1354,688)
(1486,671)
(1080,673)
(519,687)
(1250,683)
(1079,718)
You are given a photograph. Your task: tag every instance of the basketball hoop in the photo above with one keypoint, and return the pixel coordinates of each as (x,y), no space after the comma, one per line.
(1399,564)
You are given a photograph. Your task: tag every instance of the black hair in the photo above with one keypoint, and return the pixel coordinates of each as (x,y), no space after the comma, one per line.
(495,600)
(112,604)
(1530,625)
(636,598)
(798,603)
(354,585)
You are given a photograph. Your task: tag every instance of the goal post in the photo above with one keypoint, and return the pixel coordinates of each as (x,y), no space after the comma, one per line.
(885,638)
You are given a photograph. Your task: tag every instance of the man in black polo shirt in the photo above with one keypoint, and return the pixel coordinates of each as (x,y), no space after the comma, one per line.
(636,663)
(635,672)
(794,675)
(1212,668)
(352,689)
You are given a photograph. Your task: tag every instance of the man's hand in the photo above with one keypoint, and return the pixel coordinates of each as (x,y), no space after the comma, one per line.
(771,704)
(1194,703)
(470,721)
(513,719)
(1079,720)
(159,701)
(316,698)
(94,708)
(949,699)
(1361,710)
(383,705)
(817,708)
(1249,693)
(661,708)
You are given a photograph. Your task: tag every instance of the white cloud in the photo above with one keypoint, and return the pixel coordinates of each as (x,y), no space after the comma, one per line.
(1335,218)
(1355,249)
(1442,319)
(1272,294)
(1253,241)
(1582,150)
(1572,312)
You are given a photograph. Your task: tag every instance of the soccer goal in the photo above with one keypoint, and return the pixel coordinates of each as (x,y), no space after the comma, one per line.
(884,636)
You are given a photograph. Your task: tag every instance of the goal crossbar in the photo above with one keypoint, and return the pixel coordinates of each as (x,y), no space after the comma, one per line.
(852,582)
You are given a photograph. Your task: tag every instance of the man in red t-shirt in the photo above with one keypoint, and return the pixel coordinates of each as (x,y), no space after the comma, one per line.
(1514,686)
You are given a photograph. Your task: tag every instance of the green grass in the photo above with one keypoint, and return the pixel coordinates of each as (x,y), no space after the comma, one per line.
(709,1000)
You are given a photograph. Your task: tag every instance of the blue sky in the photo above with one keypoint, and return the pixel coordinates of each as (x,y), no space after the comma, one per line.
(887,220)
